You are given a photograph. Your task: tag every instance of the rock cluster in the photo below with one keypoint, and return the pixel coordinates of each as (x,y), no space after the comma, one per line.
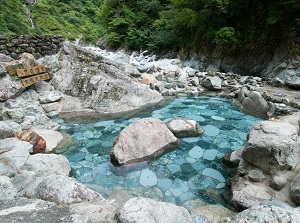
(83,81)
(267,166)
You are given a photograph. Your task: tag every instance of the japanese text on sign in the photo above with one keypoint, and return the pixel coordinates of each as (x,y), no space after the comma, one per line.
(31,71)
(28,81)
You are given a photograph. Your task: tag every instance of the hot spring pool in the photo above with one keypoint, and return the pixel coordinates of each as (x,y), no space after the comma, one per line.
(191,174)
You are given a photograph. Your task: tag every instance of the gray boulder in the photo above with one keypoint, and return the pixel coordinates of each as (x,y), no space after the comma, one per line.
(253,102)
(145,210)
(50,96)
(272,146)
(212,83)
(213,213)
(183,127)
(60,189)
(44,164)
(15,155)
(145,139)
(10,88)
(243,197)
(35,210)
(132,70)
(52,62)
(7,190)
(18,110)
(5,131)
(293,83)
(271,211)
(26,60)
(100,84)
(42,86)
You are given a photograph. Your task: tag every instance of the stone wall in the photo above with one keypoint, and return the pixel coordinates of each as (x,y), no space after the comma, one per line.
(39,46)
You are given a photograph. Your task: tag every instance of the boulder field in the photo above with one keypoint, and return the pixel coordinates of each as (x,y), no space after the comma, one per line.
(264,176)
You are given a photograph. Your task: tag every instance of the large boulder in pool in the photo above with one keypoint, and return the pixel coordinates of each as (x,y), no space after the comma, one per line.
(272,146)
(183,127)
(145,210)
(145,139)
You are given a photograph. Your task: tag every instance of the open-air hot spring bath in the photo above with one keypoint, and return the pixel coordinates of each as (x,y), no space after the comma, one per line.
(190,175)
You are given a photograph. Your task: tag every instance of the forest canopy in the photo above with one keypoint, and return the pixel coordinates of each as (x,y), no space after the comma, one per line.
(158,24)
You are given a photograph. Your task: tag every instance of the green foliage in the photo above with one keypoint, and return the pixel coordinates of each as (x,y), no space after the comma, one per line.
(158,24)
(71,18)
(225,35)
(13,18)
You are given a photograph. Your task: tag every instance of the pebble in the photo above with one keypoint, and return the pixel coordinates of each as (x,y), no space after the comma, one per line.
(196,152)
(213,174)
(148,178)
(210,154)
(211,130)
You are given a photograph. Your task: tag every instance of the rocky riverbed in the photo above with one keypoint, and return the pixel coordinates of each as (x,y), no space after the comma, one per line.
(264,178)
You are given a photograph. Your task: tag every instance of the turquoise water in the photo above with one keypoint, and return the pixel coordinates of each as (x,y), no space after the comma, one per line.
(192,173)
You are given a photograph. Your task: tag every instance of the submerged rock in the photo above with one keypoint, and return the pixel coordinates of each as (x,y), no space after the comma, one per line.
(145,139)
(145,210)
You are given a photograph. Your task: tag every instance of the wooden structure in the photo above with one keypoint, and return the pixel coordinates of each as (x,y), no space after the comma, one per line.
(33,75)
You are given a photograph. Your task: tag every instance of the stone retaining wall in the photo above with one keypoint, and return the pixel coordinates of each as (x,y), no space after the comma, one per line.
(39,46)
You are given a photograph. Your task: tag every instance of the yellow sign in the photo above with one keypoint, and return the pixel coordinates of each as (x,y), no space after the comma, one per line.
(28,81)
(31,71)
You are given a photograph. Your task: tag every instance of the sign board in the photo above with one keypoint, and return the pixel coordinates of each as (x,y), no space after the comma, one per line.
(28,81)
(32,75)
(31,71)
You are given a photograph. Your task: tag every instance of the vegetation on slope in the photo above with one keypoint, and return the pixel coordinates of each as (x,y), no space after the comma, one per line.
(159,24)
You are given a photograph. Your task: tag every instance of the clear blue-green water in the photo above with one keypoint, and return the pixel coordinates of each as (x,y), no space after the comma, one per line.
(192,173)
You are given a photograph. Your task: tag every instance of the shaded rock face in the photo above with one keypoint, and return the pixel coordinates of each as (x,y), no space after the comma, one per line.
(183,127)
(38,143)
(101,83)
(272,146)
(142,140)
(144,210)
